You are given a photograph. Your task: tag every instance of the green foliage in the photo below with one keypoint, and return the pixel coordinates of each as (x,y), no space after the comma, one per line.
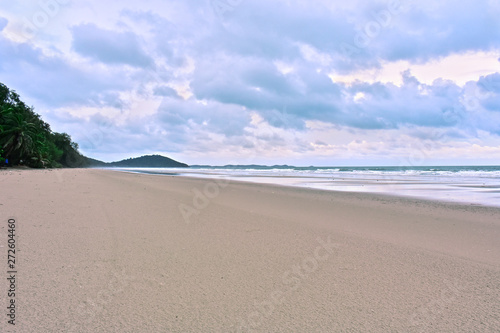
(26,139)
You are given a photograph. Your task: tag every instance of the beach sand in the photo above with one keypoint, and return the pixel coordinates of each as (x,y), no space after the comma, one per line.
(105,251)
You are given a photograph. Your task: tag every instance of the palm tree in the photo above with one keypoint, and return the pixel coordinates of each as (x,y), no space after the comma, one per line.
(24,136)
(17,137)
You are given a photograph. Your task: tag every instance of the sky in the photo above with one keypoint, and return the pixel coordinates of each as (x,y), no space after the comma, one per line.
(323,82)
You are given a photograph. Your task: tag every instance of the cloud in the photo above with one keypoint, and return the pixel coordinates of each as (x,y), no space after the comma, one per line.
(417,32)
(490,83)
(3,23)
(109,47)
(256,80)
(52,80)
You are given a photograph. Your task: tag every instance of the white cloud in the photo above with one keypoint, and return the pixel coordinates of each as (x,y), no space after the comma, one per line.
(459,68)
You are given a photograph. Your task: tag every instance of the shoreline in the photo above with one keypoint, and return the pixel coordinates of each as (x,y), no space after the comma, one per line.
(428,197)
(251,257)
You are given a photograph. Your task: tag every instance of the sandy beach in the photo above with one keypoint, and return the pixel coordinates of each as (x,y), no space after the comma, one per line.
(104,251)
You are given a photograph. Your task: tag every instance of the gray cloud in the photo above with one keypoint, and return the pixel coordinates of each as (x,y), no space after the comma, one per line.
(109,47)
(53,81)
(3,23)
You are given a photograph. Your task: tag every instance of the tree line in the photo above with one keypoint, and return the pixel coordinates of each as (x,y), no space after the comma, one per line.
(25,139)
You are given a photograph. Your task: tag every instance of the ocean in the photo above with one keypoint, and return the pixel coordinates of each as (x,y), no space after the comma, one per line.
(476,185)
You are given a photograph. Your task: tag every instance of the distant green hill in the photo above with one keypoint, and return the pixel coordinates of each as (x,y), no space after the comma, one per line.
(148,161)
(90,162)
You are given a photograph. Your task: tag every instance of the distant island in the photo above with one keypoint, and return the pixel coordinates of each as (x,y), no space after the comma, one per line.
(147,161)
